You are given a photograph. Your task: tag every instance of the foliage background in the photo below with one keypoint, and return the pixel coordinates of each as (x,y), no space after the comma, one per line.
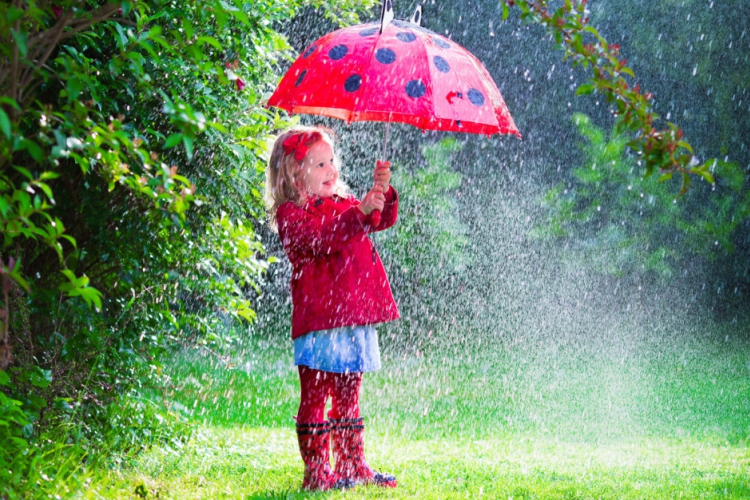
(131,176)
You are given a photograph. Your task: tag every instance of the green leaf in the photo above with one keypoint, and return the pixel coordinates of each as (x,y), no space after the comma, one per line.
(685,145)
(685,183)
(44,187)
(5,123)
(36,152)
(221,18)
(123,36)
(74,87)
(4,378)
(40,378)
(14,14)
(209,40)
(666,176)
(48,175)
(649,170)
(69,274)
(16,275)
(172,140)
(70,239)
(20,39)
(10,102)
(188,146)
(91,295)
(705,174)
(154,32)
(218,126)
(586,89)
(127,7)
(25,173)
(241,17)
(635,145)
(78,286)
(506,11)
(187,28)
(64,404)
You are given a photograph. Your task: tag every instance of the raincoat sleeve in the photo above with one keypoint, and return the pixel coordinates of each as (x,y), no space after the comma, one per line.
(303,234)
(390,212)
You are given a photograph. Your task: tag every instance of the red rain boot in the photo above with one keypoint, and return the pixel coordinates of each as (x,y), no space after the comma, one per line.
(348,445)
(313,446)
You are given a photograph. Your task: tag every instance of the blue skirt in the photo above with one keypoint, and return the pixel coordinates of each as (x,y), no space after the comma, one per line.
(339,350)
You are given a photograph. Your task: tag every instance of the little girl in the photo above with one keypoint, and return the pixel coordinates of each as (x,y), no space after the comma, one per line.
(339,292)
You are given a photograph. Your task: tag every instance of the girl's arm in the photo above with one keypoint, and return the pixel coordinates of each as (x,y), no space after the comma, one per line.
(303,233)
(390,211)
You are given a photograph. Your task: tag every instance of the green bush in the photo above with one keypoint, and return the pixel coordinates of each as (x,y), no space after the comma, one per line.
(428,242)
(425,252)
(622,223)
(132,148)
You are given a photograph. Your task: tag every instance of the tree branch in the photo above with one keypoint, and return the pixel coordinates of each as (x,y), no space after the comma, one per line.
(663,150)
(51,45)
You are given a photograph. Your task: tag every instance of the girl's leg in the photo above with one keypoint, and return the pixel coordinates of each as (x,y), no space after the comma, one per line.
(315,387)
(348,433)
(345,395)
(313,431)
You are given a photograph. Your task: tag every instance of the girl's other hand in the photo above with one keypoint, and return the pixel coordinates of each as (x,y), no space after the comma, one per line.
(373,200)
(382,174)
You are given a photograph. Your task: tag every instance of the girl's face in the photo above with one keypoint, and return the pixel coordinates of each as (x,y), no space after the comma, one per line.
(319,175)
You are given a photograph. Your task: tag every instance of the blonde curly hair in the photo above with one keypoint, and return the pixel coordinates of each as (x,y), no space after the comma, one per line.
(282,173)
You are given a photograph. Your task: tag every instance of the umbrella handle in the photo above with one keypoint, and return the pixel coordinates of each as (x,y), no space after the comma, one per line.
(385,139)
(375,216)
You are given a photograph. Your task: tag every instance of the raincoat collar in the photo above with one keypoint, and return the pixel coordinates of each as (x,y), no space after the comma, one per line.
(315,201)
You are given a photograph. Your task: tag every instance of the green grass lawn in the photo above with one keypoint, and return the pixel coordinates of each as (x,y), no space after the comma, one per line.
(520,419)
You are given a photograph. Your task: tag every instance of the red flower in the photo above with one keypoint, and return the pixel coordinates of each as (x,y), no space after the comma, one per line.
(240,84)
(57,11)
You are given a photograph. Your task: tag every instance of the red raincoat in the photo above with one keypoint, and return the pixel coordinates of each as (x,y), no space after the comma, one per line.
(337,277)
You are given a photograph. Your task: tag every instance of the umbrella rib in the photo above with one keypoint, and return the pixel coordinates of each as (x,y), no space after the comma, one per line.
(422,119)
(457,89)
(481,69)
(356,108)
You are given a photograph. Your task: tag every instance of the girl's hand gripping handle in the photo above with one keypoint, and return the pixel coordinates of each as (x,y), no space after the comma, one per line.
(382,177)
(373,202)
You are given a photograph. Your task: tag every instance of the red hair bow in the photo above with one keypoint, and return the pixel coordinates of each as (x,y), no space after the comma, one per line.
(296,144)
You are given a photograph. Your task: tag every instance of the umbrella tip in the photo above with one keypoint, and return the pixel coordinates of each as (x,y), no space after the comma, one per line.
(386,14)
(416,18)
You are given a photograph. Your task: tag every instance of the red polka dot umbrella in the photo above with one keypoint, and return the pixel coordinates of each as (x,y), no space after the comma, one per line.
(404,74)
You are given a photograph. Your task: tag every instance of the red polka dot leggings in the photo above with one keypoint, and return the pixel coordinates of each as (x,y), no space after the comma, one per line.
(316,386)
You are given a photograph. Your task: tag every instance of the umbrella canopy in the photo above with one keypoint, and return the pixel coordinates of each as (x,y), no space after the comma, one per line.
(405,74)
